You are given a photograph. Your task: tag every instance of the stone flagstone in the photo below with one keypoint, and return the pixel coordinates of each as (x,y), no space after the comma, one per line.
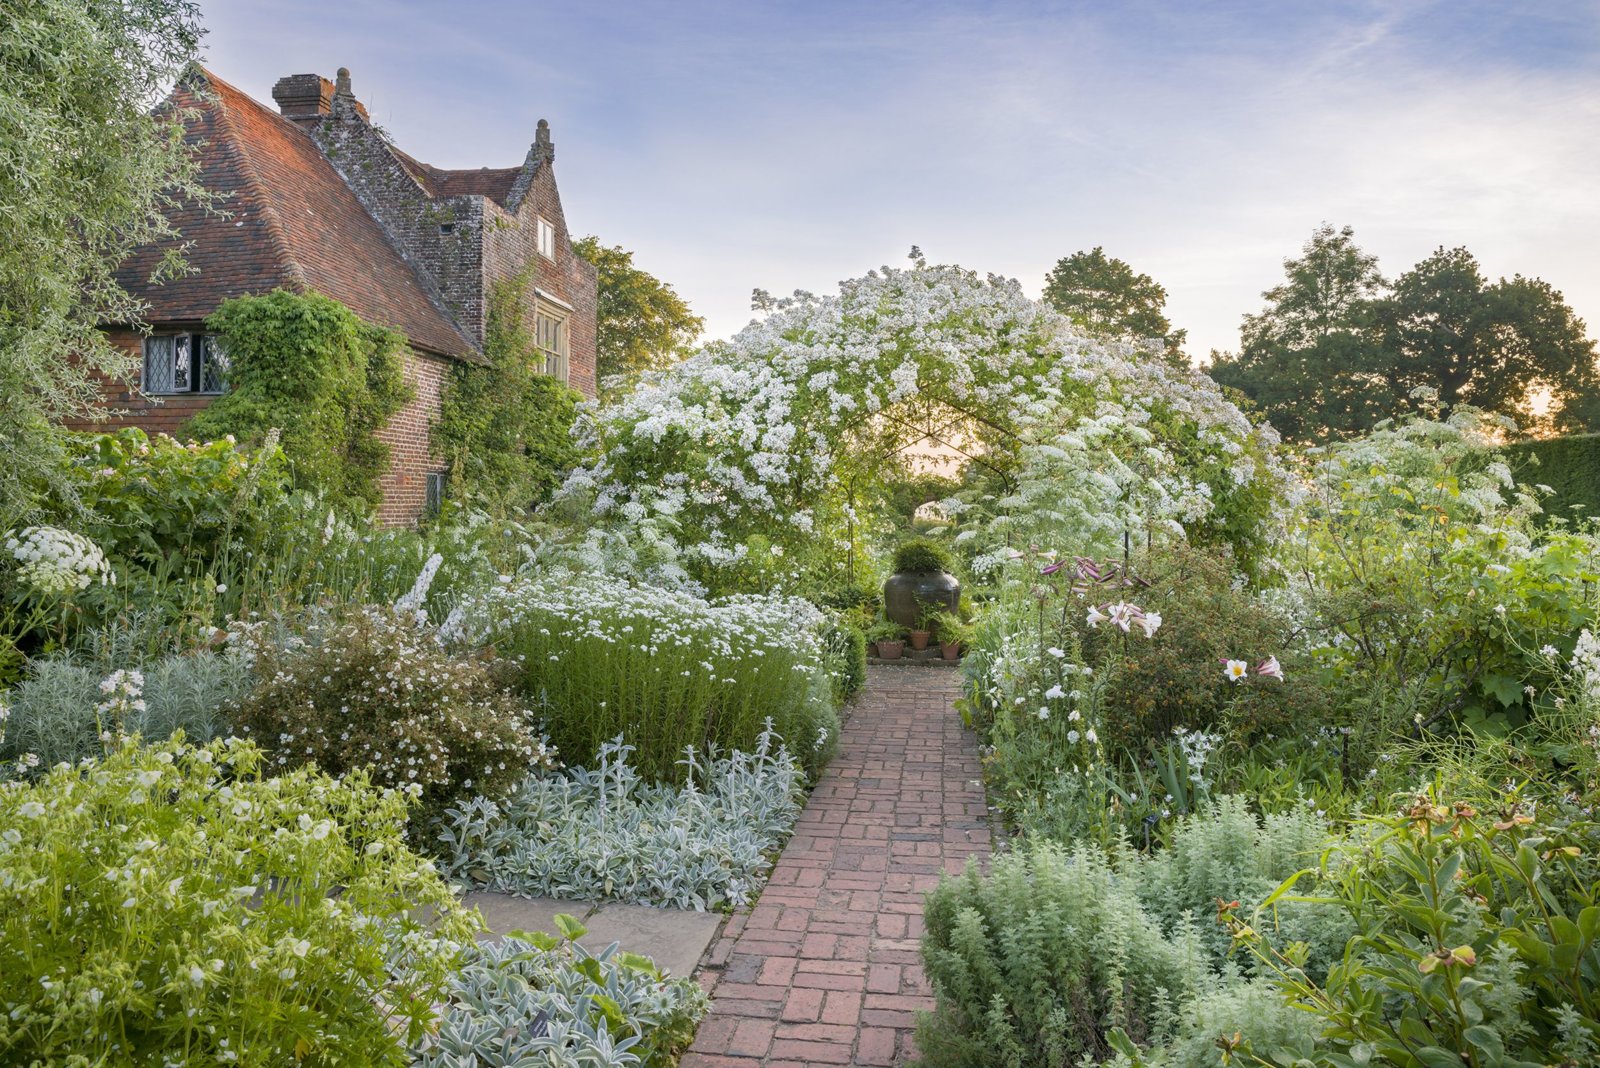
(825,969)
(675,939)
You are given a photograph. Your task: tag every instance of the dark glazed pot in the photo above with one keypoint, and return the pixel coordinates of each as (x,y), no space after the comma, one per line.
(907,593)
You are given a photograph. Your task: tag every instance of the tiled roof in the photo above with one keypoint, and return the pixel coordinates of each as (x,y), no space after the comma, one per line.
(292,223)
(492,182)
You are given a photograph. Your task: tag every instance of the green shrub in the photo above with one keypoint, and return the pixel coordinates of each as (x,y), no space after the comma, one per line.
(146,500)
(56,709)
(306,365)
(921,554)
(1036,962)
(370,687)
(599,1000)
(663,669)
(1477,937)
(171,905)
(1570,466)
(1228,853)
(506,427)
(1175,678)
(845,647)
(1252,1015)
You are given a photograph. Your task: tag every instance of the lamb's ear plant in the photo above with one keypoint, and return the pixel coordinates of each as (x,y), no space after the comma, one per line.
(170,904)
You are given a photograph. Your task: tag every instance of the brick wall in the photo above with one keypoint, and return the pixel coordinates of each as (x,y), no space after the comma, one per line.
(411,458)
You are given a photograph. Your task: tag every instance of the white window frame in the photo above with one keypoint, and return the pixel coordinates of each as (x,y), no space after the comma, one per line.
(199,352)
(555,349)
(545,237)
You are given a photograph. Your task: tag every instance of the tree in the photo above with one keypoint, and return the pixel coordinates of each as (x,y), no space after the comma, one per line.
(643,324)
(85,169)
(1107,298)
(1490,345)
(1338,349)
(1313,360)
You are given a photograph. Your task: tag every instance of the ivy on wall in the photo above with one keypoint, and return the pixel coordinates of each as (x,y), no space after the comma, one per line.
(505,428)
(306,364)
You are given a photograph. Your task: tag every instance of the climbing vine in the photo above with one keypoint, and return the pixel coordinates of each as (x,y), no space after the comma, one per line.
(307,365)
(505,427)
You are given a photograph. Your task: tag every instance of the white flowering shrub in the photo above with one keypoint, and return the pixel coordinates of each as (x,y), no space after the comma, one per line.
(173,904)
(599,657)
(542,1000)
(371,687)
(606,833)
(55,561)
(785,431)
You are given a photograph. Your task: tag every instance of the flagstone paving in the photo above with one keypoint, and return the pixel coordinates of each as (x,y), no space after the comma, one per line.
(824,969)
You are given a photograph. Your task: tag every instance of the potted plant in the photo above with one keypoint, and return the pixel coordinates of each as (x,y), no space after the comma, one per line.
(921,580)
(888,639)
(954,635)
(927,623)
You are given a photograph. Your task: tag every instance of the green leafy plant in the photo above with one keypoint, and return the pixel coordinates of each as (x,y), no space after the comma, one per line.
(845,647)
(1477,937)
(306,365)
(171,904)
(886,631)
(921,554)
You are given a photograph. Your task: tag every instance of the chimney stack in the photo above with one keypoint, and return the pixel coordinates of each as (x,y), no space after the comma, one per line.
(303,95)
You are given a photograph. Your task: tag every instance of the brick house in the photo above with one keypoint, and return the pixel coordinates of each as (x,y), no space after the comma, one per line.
(317,198)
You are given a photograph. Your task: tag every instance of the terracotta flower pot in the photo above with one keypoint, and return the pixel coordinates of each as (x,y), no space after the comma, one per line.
(890,650)
(920,639)
(950,650)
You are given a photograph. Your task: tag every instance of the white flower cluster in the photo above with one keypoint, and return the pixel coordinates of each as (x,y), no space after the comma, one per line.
(57,561)
(1586,664)
(755,432)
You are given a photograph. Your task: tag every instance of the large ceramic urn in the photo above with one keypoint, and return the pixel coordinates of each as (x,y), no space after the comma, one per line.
(907,593)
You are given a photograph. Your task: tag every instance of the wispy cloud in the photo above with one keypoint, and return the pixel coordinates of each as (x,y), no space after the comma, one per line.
(789,145)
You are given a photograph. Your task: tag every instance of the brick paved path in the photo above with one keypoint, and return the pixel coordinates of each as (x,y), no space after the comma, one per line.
(824,970)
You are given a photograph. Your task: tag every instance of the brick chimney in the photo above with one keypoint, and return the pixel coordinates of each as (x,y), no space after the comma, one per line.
(303,95)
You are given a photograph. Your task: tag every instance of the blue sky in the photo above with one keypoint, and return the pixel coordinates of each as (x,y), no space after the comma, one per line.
(790,145)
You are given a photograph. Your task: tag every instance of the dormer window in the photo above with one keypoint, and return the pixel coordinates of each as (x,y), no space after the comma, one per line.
(184,363)
(547,238)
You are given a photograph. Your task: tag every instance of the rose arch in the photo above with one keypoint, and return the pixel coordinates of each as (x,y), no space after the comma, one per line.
(773,445)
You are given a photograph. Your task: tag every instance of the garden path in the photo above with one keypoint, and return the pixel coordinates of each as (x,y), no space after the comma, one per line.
(825,970)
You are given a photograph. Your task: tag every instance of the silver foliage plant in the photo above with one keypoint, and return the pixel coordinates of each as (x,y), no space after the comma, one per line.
(536,1004)
(603,832)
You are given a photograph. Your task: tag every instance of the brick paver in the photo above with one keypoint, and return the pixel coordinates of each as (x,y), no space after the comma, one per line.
(824,970)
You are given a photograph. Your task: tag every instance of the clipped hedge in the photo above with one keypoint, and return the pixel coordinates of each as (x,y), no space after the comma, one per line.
(1568,465)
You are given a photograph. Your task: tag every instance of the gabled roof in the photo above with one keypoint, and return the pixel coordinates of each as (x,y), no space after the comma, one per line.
(292,223)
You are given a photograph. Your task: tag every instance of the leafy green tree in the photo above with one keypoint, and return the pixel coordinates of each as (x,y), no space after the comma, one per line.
(305,364)
(643,324)
(1106,297)
(1490,345)
(506,427)
(1313,360)
(85,168)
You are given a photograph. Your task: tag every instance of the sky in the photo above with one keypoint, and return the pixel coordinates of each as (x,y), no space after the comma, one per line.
(788,146)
